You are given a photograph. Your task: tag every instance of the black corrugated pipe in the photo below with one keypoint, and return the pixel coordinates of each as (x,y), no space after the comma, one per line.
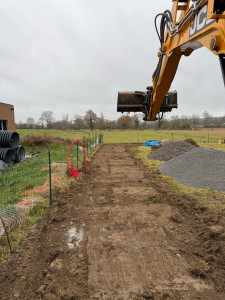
(9,139)
(6,154)
(14,153)
(20,154)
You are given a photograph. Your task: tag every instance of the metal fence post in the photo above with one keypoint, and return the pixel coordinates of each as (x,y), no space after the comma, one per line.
(77,155)
(50,177)
(90,146)
(87,151)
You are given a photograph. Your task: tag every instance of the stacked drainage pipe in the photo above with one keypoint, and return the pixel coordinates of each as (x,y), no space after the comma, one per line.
(10,149)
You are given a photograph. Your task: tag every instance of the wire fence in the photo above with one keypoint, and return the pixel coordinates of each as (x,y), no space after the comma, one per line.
(36,180)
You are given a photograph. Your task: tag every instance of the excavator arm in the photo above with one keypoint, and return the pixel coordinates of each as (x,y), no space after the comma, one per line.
(188,26)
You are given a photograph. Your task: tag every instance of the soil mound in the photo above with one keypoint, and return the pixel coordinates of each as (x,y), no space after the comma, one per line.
(192,142)
(170,150)
(199,168)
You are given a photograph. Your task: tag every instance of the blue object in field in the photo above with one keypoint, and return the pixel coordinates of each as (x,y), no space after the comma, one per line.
(151,143)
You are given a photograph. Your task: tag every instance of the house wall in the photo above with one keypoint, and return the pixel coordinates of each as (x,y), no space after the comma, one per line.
(7,113)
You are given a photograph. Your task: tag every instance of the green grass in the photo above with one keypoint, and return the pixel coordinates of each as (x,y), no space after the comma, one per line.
(213,145)
(71,134)
(29,174)
(19,233)
(133,136)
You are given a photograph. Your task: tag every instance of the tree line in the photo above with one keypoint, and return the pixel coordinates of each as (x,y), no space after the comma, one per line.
(91,121)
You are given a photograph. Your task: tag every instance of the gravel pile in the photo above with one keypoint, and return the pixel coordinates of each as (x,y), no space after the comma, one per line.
(199,168)
(170,150)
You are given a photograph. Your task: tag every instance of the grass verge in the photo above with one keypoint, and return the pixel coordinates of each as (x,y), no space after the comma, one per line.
(27,176)
(18,234)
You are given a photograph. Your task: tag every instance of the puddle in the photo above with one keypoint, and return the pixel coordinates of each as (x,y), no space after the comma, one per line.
(75,236)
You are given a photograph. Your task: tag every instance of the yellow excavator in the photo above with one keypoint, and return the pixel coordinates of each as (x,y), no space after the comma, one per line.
(188,26)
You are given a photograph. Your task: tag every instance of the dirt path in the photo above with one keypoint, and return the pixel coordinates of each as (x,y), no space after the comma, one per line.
(119,233)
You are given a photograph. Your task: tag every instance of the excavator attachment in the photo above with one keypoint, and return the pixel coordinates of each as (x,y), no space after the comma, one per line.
(138,101)
(222,64)
(190,25)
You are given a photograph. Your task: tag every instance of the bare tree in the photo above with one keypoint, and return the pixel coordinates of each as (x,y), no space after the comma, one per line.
(47,118)
(65,121)
(207,118)
(78,122)
(101,122)
(195,120)
(21,125)
(124,122)
(41,122)
(136,121)
(90,118)
(30,123)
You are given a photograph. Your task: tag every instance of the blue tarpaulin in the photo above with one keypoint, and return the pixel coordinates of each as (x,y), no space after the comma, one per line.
(151,143)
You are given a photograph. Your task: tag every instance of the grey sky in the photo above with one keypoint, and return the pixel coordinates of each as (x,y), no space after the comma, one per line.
(69,56)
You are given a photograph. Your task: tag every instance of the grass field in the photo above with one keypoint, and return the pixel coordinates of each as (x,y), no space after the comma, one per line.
(132,136)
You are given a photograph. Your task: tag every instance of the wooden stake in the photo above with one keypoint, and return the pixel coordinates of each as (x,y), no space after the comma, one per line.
(7,235)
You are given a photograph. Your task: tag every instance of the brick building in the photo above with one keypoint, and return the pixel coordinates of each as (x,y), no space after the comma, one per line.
(7,119)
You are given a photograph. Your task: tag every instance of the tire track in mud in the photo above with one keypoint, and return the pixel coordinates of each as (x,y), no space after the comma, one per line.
(117,233)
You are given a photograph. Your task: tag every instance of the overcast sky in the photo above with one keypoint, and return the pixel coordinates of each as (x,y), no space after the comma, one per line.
(69,56)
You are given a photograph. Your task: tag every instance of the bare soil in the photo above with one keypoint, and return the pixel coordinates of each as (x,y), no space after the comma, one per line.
(120,233)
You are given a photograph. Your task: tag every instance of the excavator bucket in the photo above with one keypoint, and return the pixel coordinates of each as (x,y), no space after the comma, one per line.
(130,101)
(136,102)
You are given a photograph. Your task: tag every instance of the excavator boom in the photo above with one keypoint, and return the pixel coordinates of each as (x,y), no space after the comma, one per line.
(200,23)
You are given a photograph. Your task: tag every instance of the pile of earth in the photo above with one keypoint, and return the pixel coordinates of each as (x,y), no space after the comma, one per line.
(192,142)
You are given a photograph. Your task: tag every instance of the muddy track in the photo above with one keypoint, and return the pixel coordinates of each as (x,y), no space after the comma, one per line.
(119,233)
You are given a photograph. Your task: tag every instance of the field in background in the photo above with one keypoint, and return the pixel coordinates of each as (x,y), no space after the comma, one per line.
(205,137)
(30,174)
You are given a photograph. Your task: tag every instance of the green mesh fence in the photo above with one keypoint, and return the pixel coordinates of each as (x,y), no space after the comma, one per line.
(26,184)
